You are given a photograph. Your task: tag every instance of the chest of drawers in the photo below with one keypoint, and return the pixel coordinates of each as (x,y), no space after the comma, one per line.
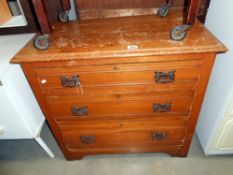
(120,85)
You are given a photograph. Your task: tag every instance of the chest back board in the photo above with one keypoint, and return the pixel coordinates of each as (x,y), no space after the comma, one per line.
(100,5)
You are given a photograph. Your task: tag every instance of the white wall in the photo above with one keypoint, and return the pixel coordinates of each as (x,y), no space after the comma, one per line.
(72,13)
(220,89)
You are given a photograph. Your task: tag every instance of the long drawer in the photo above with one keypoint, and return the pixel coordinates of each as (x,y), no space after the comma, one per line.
(160,75)
(95,109)
(174,136)
(137,133)
(118,91)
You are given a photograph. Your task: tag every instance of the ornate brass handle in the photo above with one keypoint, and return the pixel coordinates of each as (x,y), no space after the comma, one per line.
(70,82)
(157,107)
(165,77)
(159,136)
(79,111)
(87,139)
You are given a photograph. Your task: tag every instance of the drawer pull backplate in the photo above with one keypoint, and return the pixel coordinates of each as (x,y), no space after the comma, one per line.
(157,107)
(79,111)
(71,82)
(87,139)
(165,77)
(159,136)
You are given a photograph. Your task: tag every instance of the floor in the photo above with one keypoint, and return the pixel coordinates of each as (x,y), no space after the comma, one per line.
(25,157)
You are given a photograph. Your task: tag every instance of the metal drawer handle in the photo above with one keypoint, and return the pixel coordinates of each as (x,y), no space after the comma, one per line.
(157,107)
(159,136)
(165,77)
(71,82)
(87,139)
(79,111)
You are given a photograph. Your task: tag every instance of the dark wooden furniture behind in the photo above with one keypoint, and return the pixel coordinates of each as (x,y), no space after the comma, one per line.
(54,6)
(98,8)
(104,9)
(121,85)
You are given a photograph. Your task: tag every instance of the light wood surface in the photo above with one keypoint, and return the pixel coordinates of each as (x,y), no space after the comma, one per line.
(5,13)
(108,38)
(119,88)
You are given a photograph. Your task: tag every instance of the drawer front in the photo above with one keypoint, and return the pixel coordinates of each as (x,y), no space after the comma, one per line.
(140,133)
(158,73)
(117,139)
(91,110)
(118,91)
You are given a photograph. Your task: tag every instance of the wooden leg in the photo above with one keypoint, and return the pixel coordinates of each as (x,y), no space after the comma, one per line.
(177,154)
(65,5)
(182,155)
(41,14)
(205,10)
(179,33)
(192,12)
(76,157)
(63,16)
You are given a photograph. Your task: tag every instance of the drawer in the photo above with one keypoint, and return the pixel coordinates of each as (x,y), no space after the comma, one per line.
(103,139)
(94,109)
(124,134)
(86,76)
(118,91)
(141,122)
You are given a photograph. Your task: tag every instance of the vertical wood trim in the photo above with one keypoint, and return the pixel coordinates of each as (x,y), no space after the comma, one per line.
(202,17)
(41,14)
(5,12)
(198,99)
(65,5)
(35,85)
(192,11)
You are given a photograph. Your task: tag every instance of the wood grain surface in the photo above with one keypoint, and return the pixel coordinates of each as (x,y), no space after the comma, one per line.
(5,12)
(118,87)
(90,9)
(108,38)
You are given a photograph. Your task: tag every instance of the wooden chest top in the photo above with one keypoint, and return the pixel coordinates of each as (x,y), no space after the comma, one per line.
(120,37)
